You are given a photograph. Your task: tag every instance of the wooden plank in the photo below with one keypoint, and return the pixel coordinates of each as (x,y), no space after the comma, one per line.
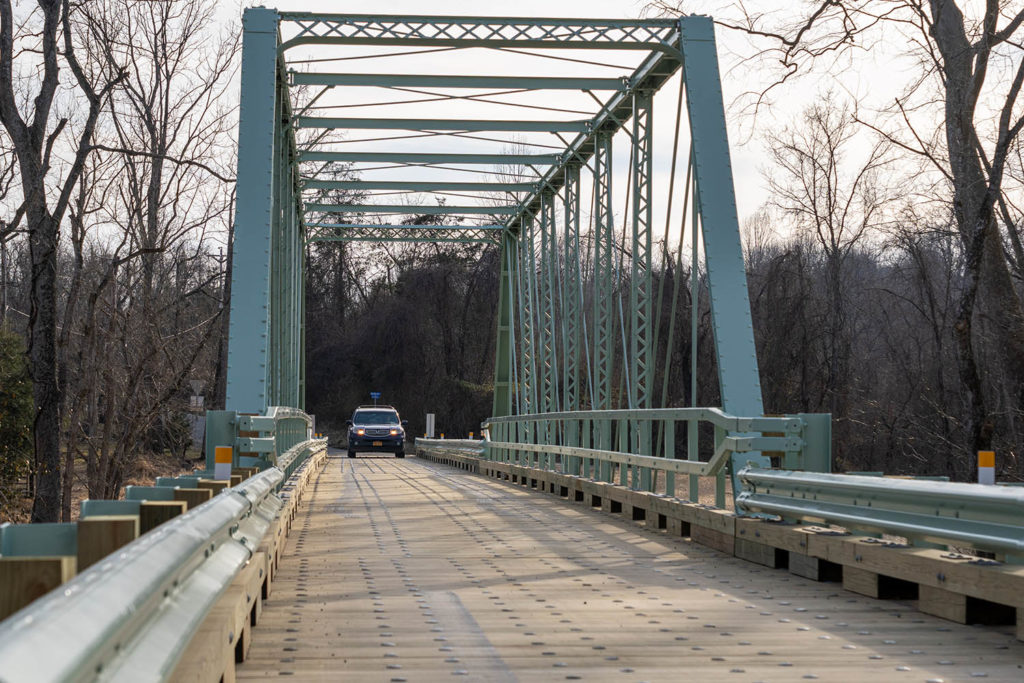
(760,553)
(529,588)
(213,485)
(780,535)
(713,538)
(860,581)
(153,513)
(945,604)
(193,497)
(23,579)
(101,535)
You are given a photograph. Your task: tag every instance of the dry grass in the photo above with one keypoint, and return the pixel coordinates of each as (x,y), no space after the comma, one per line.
(145,469)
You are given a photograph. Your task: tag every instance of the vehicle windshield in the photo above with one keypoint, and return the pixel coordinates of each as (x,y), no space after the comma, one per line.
(375,417)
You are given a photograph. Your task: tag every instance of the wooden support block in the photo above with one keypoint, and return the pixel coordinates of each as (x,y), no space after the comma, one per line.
(213,485)
(153,513)
(788,537)
(193,497)
(210,655)
(814,568)
(860,581)
(713,538)
(24,579)
(235,480)
(760,553)
(678,528)
(947,604)
(101,535)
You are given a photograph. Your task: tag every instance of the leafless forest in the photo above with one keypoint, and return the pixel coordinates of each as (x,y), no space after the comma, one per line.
(885,272)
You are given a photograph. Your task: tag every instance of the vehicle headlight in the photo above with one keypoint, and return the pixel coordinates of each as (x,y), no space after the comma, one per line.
(394,432)
(360,432)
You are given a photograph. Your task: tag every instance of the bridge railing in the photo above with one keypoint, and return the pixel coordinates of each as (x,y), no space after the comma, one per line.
(256,440)
(635,445)
(962,515)
(132,615)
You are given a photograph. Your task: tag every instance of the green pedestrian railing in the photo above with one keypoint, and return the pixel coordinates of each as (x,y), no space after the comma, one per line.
(633,446)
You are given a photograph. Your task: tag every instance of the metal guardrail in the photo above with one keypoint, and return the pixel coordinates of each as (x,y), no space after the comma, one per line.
(988,518)
(466,447)
(130,616)
(590,443)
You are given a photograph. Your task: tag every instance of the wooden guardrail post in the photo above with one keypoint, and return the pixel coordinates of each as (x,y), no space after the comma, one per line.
(153,513)
(101,535)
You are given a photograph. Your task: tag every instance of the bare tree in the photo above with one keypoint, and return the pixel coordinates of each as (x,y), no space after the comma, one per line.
(978,113)
(46,198)
(836,201)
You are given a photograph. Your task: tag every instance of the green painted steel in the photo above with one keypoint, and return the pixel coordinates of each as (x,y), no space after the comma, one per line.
(476,125)
(604,244)
(414,209)
(431,158)
(415,186)
(365,232)
(434,30)
(506,338)
(734,335)
(445,81)
(545,284)
(249,356)
(549,355)
(38,540)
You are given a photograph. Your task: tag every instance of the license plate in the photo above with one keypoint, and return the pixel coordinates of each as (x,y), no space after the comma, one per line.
(378,443)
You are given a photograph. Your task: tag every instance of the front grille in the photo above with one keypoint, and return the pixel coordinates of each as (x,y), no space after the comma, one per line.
(378,432)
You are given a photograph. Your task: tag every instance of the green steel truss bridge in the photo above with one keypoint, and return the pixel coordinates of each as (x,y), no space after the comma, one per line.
(594,532)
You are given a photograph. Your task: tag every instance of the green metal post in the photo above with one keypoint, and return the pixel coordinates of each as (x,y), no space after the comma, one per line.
(641,318)
(730,304)
(249,360)
(572,308)
(503,353)
(604,240)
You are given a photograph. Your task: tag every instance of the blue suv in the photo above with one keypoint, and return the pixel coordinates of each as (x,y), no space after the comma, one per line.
(376,429)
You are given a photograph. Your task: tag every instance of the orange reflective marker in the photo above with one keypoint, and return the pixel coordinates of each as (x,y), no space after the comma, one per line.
(986,467)
(222,462)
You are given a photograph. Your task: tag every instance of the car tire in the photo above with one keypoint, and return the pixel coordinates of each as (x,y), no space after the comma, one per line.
(400,454)
(351,453)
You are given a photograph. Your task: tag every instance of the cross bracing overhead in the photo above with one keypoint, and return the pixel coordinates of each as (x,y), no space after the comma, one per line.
(536,135)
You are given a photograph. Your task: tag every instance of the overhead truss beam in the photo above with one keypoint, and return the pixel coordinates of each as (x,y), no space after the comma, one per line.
(411,209)
(469,125)
(432,158)
(344,232)
(416,31)
(416,186)
(474,82)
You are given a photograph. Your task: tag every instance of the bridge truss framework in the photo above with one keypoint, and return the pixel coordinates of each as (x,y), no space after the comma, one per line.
(559,329)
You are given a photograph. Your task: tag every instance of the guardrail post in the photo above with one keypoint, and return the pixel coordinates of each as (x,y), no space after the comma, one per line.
(101,535)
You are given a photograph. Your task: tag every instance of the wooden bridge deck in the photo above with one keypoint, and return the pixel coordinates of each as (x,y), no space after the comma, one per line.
(404,570)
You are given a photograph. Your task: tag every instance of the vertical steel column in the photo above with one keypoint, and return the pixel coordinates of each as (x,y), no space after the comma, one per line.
(727,281)
(604,241)
(249,363)
(546,300)
(503,352)
(546,282)
(572,308)
(641,318)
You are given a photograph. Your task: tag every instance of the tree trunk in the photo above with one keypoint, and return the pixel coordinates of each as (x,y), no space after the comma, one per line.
(43,356)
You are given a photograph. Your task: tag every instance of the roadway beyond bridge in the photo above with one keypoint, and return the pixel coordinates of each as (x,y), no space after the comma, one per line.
(407,570)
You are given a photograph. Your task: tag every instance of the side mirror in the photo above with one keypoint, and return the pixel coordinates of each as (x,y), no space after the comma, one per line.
(405,423)
(348,422)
